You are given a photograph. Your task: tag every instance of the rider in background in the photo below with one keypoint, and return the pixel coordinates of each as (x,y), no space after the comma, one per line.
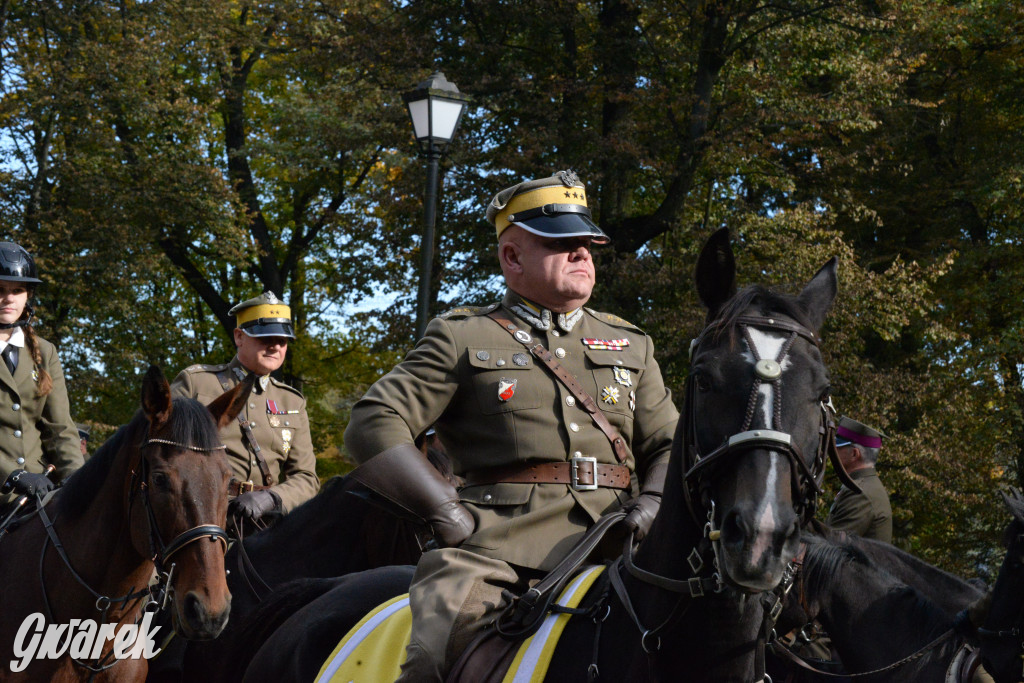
(868,513)
(36,429)
(512,430)
(269,448)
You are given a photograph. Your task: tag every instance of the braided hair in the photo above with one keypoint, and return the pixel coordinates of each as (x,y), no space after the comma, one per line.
(44,383)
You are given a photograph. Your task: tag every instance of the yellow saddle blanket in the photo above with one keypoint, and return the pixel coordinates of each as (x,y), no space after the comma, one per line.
(374,650)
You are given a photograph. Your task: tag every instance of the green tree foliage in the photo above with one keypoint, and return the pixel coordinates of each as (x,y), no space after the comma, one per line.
(165,159)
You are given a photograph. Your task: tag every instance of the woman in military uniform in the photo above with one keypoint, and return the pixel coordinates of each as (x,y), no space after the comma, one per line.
(36,429)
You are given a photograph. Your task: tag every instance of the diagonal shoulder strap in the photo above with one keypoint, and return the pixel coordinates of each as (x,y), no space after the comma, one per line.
(251,443)
(541,353)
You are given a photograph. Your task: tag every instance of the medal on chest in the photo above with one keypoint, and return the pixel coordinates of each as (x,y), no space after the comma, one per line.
(506,389)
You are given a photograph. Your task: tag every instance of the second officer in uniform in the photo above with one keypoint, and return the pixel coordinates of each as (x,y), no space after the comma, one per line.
(269,448)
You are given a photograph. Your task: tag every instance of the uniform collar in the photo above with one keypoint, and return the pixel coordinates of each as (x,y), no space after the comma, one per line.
(241,372)
(17,339)
(538,316)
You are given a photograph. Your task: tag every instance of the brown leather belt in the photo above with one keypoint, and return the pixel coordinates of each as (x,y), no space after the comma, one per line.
(581,473)
(237,488)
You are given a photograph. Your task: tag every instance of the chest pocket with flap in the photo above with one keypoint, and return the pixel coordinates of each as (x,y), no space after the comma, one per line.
(501,384)
(618,371)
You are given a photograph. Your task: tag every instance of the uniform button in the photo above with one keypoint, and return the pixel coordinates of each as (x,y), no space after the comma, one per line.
(17,433)
(287,423)
(20,461)
(487,497)
(577,454)
(16,406)
(499,362)
(253,462)
(619,361)
(252,405)
(555,333)
(570,400)
(560,352)
(574,427)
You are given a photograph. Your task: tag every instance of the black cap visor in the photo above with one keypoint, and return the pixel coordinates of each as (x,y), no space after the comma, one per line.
(842,441)
(269,327)
(564,225)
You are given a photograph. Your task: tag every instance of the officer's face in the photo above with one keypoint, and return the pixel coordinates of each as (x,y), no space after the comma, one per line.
(13,297)
(555,273)
(261,355)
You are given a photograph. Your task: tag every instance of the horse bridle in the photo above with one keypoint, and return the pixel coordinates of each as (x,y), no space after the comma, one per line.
(806,480)
(1015,631)
(160,553)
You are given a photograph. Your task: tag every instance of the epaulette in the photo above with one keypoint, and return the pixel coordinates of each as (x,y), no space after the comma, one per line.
(468,311)
(289,387)
(206,368)
(612,319)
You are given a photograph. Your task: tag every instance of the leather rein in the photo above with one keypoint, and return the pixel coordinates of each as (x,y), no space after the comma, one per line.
(160,553)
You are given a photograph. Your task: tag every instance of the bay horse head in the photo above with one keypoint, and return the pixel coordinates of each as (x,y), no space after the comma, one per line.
(760,417)
(178,502)
(1002,633)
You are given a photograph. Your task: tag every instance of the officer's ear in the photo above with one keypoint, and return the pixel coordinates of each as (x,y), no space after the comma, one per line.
(509,257)
(238,336)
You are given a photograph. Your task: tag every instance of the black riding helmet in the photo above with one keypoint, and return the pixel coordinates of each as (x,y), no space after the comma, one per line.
(17,265)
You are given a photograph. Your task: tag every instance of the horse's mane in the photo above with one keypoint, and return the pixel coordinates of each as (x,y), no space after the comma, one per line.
(823,570)
(767,301)
(191,423)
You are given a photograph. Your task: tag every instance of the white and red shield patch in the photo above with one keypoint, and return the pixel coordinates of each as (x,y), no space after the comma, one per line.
(506,388)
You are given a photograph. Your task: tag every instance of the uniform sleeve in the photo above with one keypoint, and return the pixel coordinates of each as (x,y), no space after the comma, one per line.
(62,446)
(655,418)
(405,402)
(182,387)
(850,512)
(298,471)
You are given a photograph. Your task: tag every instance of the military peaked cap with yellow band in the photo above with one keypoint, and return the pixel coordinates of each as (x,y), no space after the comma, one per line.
(553,207)
(264,316)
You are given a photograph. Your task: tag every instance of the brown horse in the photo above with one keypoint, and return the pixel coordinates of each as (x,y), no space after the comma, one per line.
(151,502)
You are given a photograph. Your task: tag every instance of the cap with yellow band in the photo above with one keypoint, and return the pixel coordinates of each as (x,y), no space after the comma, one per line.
(264,316)
(553,207)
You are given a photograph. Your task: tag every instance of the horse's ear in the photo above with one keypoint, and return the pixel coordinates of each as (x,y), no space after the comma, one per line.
(716,272)
(156,398)
(228,405)
(820,292)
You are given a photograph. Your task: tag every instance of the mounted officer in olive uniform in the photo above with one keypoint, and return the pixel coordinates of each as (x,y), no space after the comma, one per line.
(867,513)
(269,448)
(36,429)
(539,470)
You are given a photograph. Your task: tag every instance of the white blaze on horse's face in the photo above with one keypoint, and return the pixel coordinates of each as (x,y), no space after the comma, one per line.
(766,346)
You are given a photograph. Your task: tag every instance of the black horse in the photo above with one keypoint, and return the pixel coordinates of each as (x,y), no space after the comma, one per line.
(1002,632)
(746,463)
(878,623)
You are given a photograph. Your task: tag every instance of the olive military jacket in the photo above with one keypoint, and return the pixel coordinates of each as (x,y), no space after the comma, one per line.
(492,405)
(867,514)
(36,431)
(277,415)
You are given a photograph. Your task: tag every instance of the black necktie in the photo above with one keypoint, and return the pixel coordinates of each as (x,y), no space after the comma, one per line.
(10,354)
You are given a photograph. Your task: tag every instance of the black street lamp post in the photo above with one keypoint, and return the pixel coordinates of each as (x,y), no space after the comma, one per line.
(436,107)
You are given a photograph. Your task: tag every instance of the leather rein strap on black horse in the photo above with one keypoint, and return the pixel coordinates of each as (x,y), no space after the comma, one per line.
(540,352)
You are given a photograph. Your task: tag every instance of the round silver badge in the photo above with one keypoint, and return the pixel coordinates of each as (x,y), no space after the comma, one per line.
(523,336)
(520,359)
(768,369)
(482,355)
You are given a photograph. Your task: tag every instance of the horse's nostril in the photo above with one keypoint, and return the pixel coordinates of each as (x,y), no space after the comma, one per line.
(734,527)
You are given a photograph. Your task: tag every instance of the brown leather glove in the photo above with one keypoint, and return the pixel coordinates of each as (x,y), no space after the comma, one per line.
(404,476)
(640,511)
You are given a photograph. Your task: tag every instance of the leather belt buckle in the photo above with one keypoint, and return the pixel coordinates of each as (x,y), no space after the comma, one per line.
(245,487)
(575,463)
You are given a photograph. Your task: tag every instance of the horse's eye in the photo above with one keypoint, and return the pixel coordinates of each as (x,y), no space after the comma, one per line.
(703,382)
(161,481)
